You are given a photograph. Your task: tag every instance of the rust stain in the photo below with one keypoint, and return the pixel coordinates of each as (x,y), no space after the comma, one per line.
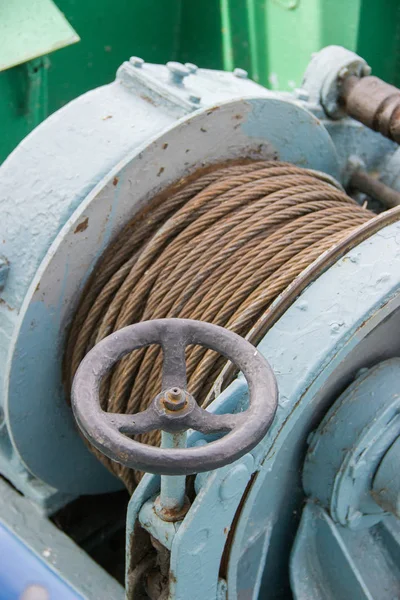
(82,226)
(107,117)
(6,305)
(209,112)
(172,577)
(165,146)
(226,530)
(115,181)
(148,99)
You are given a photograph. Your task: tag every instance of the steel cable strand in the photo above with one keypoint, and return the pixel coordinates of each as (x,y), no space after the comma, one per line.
(233,297)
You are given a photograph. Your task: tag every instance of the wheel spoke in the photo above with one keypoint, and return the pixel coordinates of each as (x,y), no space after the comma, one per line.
(174,366)
(207,422)
(142,422)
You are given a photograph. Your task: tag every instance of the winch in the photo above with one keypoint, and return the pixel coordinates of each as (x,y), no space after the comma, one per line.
(199,307)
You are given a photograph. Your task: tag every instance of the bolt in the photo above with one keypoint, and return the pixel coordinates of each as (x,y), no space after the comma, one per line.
(192,68)
(234,482)
(355,519)
(194,99)
(174,399)
(331,108)
(302,94)
(343,73)
(178,72)
(366,70)
(136,61)
(241,73)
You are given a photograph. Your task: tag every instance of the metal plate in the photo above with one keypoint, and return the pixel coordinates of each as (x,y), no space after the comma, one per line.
(31,28)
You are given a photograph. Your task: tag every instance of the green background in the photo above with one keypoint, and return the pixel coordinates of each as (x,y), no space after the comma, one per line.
(272,39)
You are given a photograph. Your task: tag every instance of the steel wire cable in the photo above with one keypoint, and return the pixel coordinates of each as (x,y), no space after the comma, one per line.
(220,248)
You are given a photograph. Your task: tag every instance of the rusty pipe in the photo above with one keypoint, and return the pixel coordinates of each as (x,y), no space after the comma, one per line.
(363,182)
(374,103)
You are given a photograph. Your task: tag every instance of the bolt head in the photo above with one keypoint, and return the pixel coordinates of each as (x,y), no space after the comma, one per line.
(366,70)
(178,69)
(302,94)
(136,61)
(343,73)
(194,99)
(241,73)
(192,68)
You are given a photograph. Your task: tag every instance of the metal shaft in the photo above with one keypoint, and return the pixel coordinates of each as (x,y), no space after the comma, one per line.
(172,495)
(362,181)
(374,103)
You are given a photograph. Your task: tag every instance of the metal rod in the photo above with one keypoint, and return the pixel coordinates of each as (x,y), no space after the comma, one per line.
(374,103)
(172,495)
(362,181)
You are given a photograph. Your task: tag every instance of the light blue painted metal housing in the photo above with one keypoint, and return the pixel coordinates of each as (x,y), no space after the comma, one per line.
(346,518)
(66,191)
(62,220)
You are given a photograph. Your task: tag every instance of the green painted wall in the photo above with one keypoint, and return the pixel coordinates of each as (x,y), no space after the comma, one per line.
(272,39)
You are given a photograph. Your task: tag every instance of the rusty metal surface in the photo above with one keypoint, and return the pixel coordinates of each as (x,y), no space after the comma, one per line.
(373,102)
(362,181)
(105,430)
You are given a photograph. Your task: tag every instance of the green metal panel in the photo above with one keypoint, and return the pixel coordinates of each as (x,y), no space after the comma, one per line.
(274,39)
(200,38)
(111,31)
(379,38)
(297,28)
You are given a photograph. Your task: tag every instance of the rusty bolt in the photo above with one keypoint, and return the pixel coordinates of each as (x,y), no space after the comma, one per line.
(174,399)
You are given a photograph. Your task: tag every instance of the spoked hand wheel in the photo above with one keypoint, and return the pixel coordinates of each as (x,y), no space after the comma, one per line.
(174,409)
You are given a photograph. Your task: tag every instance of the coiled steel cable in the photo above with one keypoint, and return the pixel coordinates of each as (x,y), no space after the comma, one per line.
(220,249)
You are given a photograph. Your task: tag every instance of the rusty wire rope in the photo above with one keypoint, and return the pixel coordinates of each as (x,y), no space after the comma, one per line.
(220,249)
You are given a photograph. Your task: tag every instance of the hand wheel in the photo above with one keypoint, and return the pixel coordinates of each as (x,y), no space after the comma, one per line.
(174,409)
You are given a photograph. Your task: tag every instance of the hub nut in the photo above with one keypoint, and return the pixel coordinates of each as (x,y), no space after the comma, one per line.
(174,399)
